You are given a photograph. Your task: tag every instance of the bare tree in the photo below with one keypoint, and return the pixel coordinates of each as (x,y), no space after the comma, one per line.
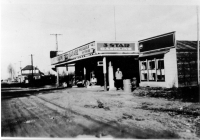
(11,71)
(48,72)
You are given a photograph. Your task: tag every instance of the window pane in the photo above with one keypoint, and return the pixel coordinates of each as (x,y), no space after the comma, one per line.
(160,64)
(160,70)
(143,65)
(143,76)
(161,77)
(160,74)
(152,70)
(151,64)
(152,75)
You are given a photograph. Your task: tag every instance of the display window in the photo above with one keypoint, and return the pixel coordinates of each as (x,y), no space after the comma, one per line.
(152,69)
(160,70)
(144,70)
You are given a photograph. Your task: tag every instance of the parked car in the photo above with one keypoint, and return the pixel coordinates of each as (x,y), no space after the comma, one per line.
(77,81)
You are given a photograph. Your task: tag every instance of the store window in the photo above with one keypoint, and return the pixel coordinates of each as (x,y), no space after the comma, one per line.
(160,70)
(152,69)
(144,70)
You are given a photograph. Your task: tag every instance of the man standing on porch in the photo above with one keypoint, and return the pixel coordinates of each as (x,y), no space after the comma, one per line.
(118,81)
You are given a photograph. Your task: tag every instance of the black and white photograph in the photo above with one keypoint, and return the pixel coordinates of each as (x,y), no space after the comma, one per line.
(109,69)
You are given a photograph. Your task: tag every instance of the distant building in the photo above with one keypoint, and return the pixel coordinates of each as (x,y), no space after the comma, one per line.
(27,72)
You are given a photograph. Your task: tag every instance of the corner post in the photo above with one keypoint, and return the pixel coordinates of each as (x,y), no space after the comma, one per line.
(104,72)
(57,79)
(84,73)
(111,77)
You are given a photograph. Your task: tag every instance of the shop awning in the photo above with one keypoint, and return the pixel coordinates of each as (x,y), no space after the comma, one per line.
(153,53)
(91,56)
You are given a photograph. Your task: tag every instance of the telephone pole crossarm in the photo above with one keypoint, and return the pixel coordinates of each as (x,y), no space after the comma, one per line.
(56,40)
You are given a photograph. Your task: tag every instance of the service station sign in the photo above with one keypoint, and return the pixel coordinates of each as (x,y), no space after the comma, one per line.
(116,47)
(96,47)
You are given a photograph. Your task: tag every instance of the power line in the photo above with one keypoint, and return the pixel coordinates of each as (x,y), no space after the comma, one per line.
(114,23)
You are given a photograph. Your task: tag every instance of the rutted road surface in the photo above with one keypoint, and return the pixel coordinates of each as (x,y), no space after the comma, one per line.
(80,112)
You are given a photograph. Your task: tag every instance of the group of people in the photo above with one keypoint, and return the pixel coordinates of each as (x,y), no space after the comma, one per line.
(118,79)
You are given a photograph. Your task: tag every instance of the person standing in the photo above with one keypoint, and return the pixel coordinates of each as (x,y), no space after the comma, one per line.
(118,81)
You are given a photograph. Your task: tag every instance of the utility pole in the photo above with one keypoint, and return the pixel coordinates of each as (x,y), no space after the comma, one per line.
(20,71)
(198,82)
(115,23)
(56,41)
(104,73)
(15,71)
(32,67)
(57,81)
(20,67)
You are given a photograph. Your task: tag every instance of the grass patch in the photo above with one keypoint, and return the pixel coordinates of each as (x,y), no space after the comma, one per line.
(187,94)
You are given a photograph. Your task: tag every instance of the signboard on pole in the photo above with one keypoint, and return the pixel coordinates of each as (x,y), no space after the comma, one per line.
(100,63)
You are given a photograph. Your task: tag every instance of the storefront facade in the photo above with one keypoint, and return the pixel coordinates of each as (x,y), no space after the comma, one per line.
(101,59)
(159,61)
(167,62)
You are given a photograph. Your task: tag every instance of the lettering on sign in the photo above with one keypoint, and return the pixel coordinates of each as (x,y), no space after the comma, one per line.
(116,49)
(123,47)
(66,56)
(115,45)
(60,58)
(84,48)
(87,51)
(74,54)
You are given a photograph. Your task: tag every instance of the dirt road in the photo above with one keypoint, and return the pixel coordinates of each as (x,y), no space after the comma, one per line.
(81,112)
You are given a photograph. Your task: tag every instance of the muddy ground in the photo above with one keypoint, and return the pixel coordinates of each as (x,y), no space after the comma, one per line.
(81,112)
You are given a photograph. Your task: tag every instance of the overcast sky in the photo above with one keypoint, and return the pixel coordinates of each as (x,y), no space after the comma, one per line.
(26,25)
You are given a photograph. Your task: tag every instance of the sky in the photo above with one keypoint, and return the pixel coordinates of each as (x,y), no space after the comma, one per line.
(26,25)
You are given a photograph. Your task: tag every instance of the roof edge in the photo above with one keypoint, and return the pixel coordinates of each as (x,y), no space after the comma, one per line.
(156,36)
(77,47)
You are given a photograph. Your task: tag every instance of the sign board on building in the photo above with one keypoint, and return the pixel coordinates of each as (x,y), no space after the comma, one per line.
(100,63)
(53,54)
(96,47)
(57,59)
(75,53)
(116,47)
(157,42)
